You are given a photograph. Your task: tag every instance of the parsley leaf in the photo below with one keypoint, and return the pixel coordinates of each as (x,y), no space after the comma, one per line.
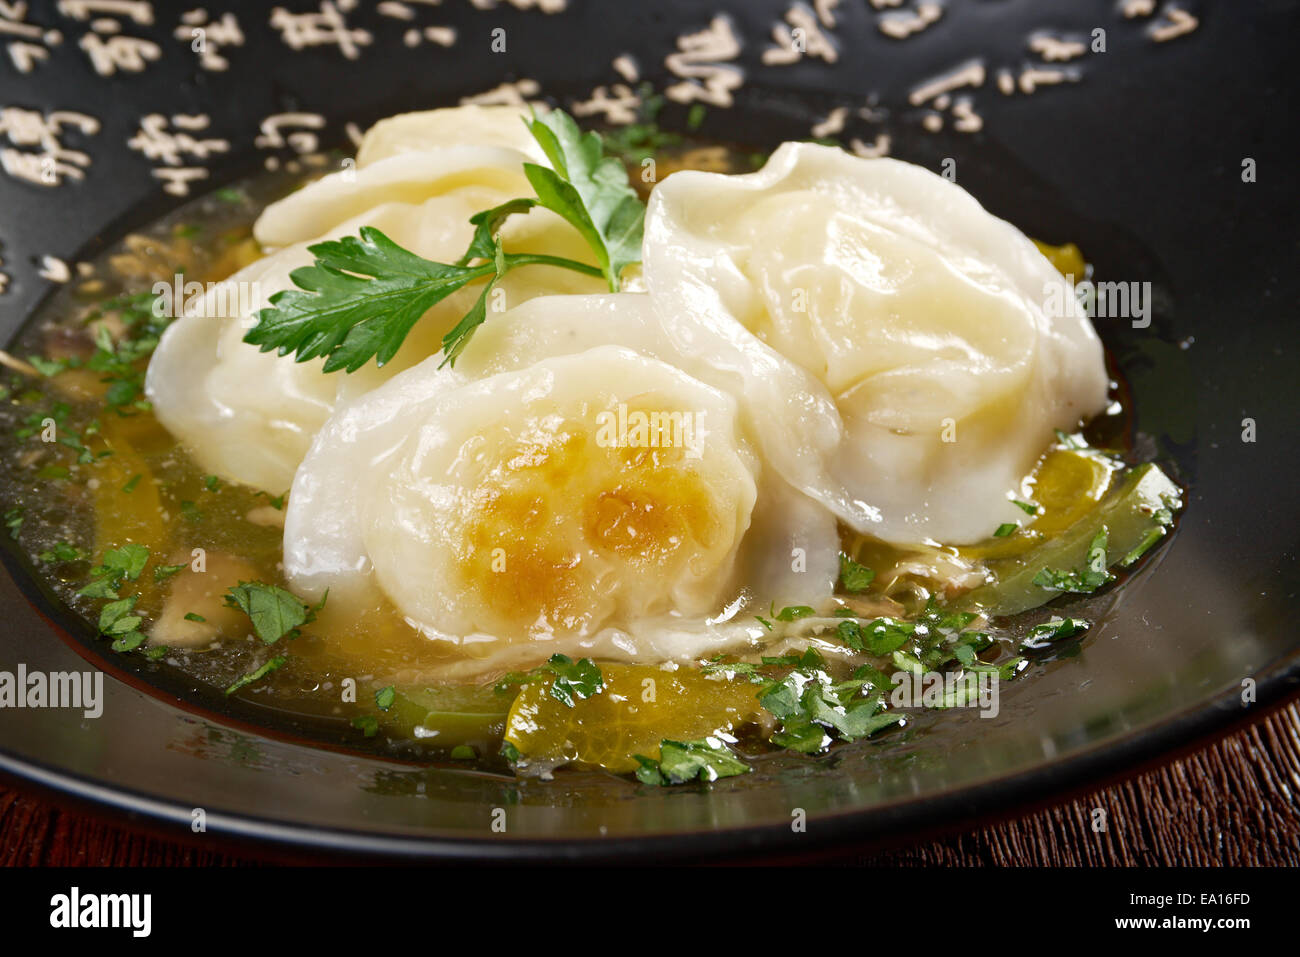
(574,679)
(257,674)
(118,565)
(62,552)
(1087,579)
(879,637)
(809,704)
(115,618)
(367,724)
(356,302)
(853,576)
(163,572)
(273,611)
(363,294)
(588,189)
(1040,636)
(795,612)
(1162,518)
(706,759)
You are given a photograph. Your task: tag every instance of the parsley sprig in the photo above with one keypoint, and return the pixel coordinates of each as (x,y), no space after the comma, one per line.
(363,294)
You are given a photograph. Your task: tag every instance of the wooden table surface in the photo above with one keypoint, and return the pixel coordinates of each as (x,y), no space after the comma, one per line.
(1235,801)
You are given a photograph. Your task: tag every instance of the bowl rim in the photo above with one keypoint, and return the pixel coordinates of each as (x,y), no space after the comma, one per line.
(999,798)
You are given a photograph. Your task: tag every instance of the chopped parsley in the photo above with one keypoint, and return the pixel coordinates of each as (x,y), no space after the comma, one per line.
(62,552)
(706,759)
(14,521)
(1162,518)
(367,724)
(118,565)
(163,572)
(1040,636)
(809,705)
(571,679)
(1087,579)
(274,612)
(853,576)
(795,612)
(274,664)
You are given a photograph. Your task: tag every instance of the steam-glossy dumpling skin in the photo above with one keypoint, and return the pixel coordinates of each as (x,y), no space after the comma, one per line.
(500,126)
(499,504)
(408,158)
(904,323)
(249,416)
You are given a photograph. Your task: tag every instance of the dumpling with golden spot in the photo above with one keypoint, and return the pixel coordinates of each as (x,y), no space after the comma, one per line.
(517,508)
(571,485)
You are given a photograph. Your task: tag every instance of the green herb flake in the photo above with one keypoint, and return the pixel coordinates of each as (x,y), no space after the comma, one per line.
(47,367)
(795,612)
(128,642)
(273,611)
(258,674)
(706,759)
(367,724)
(163,572)
(573,679)
(588,189)
(1088,579)
(853,576)
(62,552)
(1040,636)
(115,618)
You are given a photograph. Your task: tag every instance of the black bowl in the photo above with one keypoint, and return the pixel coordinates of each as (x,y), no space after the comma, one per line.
(1139,154)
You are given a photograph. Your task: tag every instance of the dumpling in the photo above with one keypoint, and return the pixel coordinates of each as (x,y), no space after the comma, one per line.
(568,487)
(248,416)
(899,328)
(471,124)
(408,158)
